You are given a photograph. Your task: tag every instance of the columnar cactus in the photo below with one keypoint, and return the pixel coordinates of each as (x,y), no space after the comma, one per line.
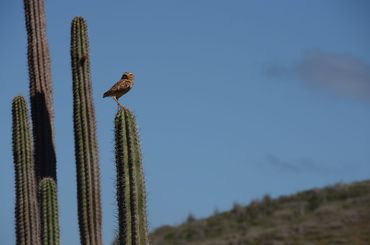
(38,168)
(26,211)
(131,195)
(49,212)
(40,89)
(86,149)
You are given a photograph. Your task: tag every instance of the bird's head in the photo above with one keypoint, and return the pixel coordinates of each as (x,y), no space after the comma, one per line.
(128,75)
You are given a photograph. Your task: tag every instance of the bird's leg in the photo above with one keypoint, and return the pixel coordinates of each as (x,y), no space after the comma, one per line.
(114,97)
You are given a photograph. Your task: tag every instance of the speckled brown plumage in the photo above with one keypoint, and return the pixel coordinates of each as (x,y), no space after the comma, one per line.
(121,87)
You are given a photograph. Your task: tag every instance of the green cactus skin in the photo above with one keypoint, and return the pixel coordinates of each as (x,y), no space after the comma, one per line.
(86,147)
(26,210)
(131,195)
(40,89)
(49,212)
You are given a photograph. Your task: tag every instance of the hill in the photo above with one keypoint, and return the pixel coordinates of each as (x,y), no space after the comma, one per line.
(337,214)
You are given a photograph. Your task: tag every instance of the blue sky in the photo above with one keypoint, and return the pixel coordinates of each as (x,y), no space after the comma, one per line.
(234,99)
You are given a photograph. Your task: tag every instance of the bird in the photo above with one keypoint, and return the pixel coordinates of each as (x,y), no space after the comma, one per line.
(121,87)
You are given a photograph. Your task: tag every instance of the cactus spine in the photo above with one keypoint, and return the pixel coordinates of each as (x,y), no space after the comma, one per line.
(131,195)
(26,211)
(86,149)
(49,212)
(40,89)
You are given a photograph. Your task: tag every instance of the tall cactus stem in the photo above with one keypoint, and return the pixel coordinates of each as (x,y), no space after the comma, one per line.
(131,194)
(49,212)
(26,211)
(86,147)
(39,70)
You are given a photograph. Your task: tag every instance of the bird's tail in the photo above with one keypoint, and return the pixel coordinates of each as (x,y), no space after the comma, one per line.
(106,94)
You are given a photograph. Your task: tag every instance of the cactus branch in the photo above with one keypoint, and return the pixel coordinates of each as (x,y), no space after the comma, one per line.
(49,212)
(40,89)
(131,195)
(26,211)
(86,147)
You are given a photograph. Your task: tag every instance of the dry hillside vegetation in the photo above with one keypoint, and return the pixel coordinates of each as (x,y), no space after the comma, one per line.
(338,214)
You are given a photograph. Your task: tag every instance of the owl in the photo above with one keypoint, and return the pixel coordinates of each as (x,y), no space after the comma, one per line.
(121,87)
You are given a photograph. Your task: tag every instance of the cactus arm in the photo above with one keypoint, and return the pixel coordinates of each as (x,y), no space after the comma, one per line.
(122,182)
(39,70)
(27,216)
(86,148)
(49,212)
(131,196)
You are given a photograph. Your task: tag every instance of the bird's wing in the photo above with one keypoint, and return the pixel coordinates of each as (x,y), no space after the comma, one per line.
(121,85)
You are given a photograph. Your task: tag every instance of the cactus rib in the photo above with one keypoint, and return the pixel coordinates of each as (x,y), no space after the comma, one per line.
(131,195)
(27,216)
(49,212)
(40,89)
(86,148)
